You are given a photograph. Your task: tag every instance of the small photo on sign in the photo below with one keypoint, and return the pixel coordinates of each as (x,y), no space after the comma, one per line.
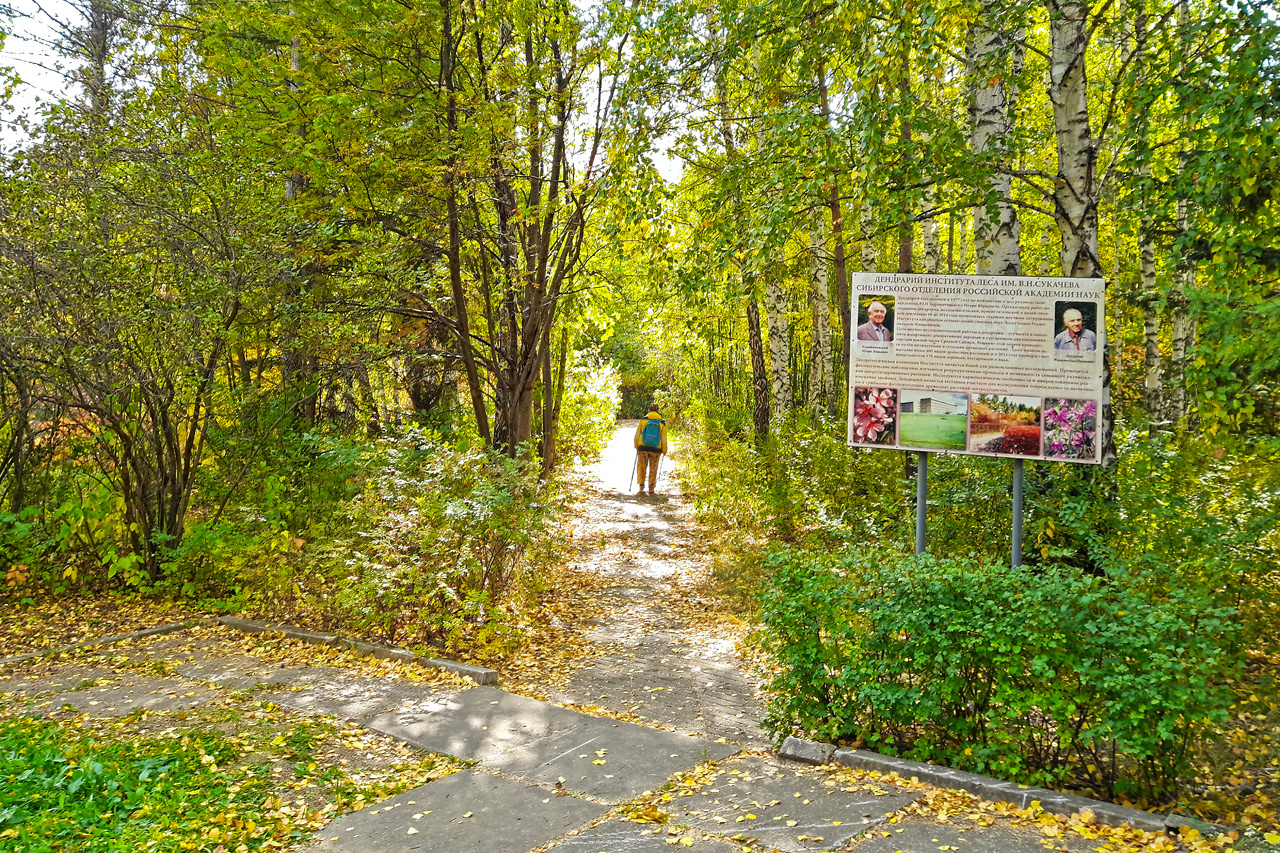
(1070,429)
(933,420)
(875,416)
(1001,424)
(1075,331)
(875,320)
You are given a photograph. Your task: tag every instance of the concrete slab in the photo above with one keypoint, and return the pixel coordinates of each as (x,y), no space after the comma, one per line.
(608,759)
(618,836)
(237,672)
(358,697)
(478,724)
(777,805)
(59,679)
(605,758)
(127,693)
(470,810)
(919,835)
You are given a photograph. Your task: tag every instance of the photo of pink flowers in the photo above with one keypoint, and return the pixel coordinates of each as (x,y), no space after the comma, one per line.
(875,416)
(1070,429)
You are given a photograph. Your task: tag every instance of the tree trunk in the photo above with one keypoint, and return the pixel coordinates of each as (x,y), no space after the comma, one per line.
(1151,396)
(461,323)
(1182,326)
(837,221)
(775,301)
(993,54)
(867,221)
(821,384)
(932,239)
(775,297)
(298,368)
(759,376)
(906,231)
(1075,190)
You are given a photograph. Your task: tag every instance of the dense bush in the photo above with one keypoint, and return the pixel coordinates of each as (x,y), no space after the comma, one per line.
(1033,675)
(440,549)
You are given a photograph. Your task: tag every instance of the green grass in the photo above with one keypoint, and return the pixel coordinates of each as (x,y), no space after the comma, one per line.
(66,790)
(943,432)
(218,779)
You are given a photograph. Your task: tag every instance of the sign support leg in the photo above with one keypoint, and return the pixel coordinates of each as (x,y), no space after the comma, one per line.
(922,498)
(1016,558)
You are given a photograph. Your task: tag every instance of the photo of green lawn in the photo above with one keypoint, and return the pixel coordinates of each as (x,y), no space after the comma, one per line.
(933,420)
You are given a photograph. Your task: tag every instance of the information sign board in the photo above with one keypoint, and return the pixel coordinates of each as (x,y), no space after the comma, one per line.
(992,366)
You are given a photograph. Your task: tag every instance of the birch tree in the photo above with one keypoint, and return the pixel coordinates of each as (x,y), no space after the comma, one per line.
(995,62)
(821,378)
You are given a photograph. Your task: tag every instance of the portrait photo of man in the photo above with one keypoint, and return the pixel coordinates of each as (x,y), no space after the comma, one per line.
(1076,340)
(879,323)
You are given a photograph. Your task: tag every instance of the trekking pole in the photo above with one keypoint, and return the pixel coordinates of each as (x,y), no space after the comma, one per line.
(635,465)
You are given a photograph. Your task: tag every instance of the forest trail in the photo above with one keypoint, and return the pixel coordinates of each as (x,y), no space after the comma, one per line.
(652,642)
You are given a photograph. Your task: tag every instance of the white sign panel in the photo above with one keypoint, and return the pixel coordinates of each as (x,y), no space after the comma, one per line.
(993,366)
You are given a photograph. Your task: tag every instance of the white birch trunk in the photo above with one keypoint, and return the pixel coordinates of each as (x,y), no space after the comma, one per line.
(1182,327)
(866,219)
(1075,199)
(1043,267)
(1151,393)
(775,306)
(995,61)
(821,378)
(932,239)
(1075,191)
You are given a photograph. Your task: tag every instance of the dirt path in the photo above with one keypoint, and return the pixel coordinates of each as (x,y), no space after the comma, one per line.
(659,648)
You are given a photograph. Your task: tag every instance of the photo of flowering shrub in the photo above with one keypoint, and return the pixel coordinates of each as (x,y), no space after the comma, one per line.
(875,416)
(1070,428)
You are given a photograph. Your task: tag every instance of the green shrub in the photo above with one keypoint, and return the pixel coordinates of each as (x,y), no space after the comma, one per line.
(1031,675)
(25,551)
(440,547)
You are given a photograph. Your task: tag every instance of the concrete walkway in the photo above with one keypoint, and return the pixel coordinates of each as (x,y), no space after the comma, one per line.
(543,777)
(653,657)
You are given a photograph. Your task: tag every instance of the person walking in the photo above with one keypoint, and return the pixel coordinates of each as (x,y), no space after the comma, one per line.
(651,443)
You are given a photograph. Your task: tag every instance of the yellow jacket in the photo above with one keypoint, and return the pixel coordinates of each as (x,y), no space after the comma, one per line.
(662,426)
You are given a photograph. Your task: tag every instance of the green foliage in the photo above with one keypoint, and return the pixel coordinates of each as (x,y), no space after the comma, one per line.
(587,417)
(66,790)
(1032,675)
(442,547)
(24,548)
(805,483)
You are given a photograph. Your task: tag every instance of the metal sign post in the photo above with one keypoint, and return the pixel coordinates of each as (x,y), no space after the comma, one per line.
(922,498)
(1016,558)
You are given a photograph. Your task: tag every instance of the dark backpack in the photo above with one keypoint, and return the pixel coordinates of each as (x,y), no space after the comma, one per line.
(652,434)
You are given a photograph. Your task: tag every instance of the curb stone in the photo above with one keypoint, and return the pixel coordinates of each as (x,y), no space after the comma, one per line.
(170,628)
(478,674)
(988,787)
